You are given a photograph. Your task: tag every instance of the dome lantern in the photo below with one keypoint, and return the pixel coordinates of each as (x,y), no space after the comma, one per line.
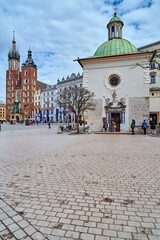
(115,27)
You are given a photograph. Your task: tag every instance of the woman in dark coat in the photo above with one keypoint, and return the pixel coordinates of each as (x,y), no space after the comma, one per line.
(133,126)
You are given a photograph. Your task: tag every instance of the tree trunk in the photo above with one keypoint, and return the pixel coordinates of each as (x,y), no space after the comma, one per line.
(77,117)
(83,123)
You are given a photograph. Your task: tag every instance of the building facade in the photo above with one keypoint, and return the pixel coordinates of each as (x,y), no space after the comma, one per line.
(47,103)
(121,87)
(49,110)
(154,86)
(2,111)
(20,85)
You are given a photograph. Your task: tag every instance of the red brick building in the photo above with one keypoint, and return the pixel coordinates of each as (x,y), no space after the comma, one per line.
(20,85)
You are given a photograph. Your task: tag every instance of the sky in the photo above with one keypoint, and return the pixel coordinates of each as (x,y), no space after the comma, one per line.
(59,31)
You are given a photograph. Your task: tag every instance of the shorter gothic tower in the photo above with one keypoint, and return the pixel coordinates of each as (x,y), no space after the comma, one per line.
(28,84)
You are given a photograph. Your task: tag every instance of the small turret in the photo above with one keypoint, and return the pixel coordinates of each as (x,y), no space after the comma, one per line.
(29,62)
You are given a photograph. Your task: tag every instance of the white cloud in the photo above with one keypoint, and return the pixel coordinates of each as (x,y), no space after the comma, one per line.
(59,31)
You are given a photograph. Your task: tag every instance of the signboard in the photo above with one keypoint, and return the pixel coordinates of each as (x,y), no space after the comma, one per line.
(122,127)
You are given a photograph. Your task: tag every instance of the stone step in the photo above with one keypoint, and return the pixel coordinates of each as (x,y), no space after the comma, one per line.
(122,133)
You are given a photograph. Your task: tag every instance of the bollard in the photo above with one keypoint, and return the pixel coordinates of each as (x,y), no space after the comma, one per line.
(89,129)
(59,130)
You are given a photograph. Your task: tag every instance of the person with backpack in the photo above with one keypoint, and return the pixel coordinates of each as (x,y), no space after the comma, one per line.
(133,126)
(144,126)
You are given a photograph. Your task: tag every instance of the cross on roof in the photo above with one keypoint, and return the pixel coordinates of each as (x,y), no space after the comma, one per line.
(115,11)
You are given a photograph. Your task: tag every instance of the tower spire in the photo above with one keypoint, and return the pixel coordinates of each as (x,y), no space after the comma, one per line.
(13,42)
(13,53)
(13,36)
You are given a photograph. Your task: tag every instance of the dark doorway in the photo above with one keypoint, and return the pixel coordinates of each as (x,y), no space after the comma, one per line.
(17,118)
(115,116)
(153,117)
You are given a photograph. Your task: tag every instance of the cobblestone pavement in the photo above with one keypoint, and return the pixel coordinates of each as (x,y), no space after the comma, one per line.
(86,187)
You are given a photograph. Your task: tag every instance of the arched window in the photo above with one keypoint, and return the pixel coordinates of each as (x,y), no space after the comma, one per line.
(26,73)
(18,96)
(153,77)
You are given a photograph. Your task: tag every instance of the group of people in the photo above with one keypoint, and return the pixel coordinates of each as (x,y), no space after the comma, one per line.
(106,126)
(144,126)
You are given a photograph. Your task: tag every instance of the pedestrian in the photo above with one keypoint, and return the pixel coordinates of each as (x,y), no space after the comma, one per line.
(105,125)
(133,126)
(49,123)
(144,126)
(113,126)
(153,127)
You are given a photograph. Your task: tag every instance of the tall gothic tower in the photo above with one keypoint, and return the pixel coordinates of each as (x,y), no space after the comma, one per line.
(12,77)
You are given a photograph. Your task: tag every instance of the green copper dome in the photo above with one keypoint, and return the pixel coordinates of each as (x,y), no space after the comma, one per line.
(116,46)
(115,19)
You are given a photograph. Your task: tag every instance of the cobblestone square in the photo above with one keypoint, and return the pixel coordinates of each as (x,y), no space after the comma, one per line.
(81,187)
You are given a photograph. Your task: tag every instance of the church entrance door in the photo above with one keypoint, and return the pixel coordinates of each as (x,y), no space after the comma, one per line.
(115,116)
(17,118)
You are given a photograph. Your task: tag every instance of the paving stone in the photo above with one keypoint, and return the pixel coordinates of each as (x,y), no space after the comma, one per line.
(71,234)
(38,236)
(20,234)
(29,230)
(85,236)
(110,233)
(58,232)
(13,227)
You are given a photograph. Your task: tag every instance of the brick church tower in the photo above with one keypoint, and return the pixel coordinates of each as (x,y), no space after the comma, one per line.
(12,77)
(20,86)
(28,85)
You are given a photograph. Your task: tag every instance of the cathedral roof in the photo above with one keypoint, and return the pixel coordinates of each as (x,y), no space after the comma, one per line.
(116,46)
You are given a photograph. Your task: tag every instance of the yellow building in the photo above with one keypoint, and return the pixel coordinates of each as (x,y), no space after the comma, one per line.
(2,111)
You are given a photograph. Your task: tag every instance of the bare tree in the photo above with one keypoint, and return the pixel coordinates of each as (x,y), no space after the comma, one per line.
(75,100)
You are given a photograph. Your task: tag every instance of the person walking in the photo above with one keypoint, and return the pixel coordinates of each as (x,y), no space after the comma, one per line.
(153,126)
(144,126)
(133,126)
(105,125)
(49,124)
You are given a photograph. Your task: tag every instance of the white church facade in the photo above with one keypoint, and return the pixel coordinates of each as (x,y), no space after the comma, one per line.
(120,79)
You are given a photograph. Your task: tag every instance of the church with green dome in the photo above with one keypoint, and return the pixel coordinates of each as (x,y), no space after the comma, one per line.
(118,76)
